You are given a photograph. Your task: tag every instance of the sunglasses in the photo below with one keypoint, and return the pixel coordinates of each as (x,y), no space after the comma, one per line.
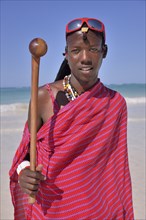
(92,24)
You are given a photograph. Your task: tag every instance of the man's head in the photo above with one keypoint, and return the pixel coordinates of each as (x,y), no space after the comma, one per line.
(86,35)
(85,48)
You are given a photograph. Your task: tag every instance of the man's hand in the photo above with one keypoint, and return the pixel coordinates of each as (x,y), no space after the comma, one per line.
(29,180)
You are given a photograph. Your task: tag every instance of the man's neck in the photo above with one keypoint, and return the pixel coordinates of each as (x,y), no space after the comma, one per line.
(82,86)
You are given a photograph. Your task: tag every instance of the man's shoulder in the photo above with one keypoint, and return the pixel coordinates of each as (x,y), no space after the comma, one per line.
(116,95)
(48,88)
(57,85)
(42,91)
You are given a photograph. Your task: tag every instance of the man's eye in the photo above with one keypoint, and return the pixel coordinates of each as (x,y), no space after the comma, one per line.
(75,51)
(94,49)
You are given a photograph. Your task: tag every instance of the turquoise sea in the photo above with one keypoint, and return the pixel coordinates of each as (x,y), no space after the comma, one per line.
(18,98)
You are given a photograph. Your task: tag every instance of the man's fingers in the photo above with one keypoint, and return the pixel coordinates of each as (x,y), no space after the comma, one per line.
(39,168)
(30,192)
(29,186)
(28,173)
(29,180)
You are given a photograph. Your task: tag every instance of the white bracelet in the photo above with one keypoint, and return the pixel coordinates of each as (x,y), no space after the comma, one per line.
(22,166)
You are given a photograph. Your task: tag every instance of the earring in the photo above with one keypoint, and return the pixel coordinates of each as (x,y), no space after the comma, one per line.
(65,51)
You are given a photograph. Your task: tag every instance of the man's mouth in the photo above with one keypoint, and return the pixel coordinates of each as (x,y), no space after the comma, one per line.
(86,69)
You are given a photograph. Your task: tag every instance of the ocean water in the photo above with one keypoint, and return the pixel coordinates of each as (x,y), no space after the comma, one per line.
(12,99)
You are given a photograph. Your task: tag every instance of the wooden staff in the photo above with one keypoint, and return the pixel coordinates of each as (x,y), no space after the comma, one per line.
(38,48)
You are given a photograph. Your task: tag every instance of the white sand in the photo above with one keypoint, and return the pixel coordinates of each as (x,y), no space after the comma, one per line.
(11,132)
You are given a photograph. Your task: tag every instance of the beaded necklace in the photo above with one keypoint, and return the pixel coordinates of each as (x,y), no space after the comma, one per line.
(70,91)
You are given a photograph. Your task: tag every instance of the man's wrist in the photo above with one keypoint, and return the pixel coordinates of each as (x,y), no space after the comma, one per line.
(22,166)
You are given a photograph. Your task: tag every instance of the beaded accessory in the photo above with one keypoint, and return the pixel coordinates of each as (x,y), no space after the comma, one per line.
(70,91)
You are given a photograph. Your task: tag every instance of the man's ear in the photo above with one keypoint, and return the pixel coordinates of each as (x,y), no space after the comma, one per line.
(105,49)
(65,53)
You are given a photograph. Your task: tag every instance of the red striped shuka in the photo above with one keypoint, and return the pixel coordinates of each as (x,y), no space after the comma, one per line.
(83,149)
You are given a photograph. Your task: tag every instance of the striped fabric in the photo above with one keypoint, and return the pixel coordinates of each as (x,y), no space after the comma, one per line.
(83,149)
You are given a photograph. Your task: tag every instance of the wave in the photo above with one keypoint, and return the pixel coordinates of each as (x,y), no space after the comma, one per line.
(136,120)
(136,100)
(11,130)
(24,106)
(14,107)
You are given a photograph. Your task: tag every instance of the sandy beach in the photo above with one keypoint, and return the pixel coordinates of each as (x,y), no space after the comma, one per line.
(11,131)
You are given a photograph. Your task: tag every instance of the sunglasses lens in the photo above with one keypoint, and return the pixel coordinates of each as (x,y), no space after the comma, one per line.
(95,24)
(74,25)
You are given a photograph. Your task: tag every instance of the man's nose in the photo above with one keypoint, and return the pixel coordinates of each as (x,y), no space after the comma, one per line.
(85,59)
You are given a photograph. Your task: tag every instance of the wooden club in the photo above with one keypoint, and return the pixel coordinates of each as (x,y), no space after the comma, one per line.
(38,48)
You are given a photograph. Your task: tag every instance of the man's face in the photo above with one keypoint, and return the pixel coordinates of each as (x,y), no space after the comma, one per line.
(84,56)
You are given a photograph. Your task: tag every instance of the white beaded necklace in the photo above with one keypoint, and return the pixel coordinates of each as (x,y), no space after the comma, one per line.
(70,91)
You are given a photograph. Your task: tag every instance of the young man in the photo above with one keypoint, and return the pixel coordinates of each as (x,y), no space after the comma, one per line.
(82,165)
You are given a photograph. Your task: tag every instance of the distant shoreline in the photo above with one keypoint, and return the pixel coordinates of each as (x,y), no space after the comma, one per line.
(133,93)
(118,84)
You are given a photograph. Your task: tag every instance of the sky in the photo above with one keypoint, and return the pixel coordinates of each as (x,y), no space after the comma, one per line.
(24,20)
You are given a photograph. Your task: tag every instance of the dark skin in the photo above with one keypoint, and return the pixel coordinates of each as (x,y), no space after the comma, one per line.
(84,59)
(84,56)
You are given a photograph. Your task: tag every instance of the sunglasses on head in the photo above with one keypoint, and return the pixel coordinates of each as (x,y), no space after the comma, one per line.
(92,24)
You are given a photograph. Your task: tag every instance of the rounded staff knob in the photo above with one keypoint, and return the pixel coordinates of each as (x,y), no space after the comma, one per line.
(38,47)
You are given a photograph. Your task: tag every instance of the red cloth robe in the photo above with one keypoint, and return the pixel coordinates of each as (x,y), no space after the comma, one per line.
(83,149)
